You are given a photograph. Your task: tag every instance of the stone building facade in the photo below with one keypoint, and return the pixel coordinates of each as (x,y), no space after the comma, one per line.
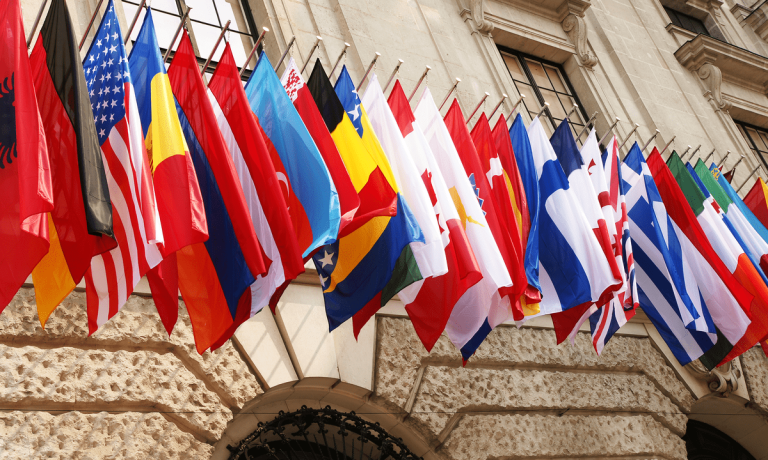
(695,70)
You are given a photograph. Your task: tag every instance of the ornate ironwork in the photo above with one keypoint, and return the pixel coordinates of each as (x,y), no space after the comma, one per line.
(320,434)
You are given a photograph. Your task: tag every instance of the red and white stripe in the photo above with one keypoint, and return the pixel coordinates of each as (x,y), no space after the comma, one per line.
(113,275)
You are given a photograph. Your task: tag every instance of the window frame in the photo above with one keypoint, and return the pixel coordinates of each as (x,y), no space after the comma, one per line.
(676,21)
(521,57)
(751,143)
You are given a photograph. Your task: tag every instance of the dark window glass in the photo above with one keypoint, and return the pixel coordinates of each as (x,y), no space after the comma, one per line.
(542,81)
(757,139)
(686,22)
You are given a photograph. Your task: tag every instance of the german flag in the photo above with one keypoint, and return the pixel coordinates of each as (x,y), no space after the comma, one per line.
(82,213)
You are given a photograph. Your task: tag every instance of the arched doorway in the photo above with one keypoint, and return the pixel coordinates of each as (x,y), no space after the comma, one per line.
(705,442)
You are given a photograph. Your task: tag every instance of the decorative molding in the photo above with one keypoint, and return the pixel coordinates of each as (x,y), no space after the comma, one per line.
(723,379)
(712,78)
(576,28)
(758,20)
(477,10)
(740,12)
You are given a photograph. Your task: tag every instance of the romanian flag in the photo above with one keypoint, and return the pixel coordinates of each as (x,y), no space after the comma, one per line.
(368,266)
(25,174)
(757,201)
(214,277)
(309,191)
(179,201)
(82,213)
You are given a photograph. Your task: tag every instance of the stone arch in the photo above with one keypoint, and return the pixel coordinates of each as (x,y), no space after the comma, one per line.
(705,442)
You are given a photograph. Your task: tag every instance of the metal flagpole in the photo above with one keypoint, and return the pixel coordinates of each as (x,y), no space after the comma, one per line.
(747,179)
(133,22)
(570,112)
(693,154)
(737,164)
(629,135)
(34,24)
(493,112)
(338,60)
(394,72)
(722,162)
(591,119)
(514,107)
(370,67)
(478,107)
(546,106)
(285,53)
(90,24)
(709,156)
(611,129)
(668,144)
(312,51)
(685,152)
(253,50)
(418,83)
(453,88)
(215,45)
(650,140)
(176,34)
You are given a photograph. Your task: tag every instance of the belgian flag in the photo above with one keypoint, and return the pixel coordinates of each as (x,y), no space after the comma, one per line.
(82,212)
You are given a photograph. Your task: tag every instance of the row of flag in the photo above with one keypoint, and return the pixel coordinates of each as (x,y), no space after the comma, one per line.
(117,167)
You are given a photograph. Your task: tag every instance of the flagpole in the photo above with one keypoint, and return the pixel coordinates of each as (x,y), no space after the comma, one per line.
(418,83)
(570,112)
(312,51)
(34,24)
(453,88)
(370,67)
(709,156)
(682,155)
(725,158)
(493,112)
(253,50)
(477,108)
(694,152)
(733,170)
(592,119)
(90,24)
(650,140)
(215,46)
(338,60)
(176,34)
(133,22)
(668,144)
(609,130)
(514,107)
(629,135)
(546,106)
(285,53)
(394,72)
(747,179)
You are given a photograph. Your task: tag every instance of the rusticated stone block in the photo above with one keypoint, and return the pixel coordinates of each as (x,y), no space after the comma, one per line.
(77,379)
(400,354)
(77,436)
(544,436)
(755,366)
(445,391)
(136,326)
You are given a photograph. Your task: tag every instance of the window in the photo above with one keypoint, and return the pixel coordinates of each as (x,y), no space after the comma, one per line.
(208,17)
(757,139)
(541,81)
(686,22)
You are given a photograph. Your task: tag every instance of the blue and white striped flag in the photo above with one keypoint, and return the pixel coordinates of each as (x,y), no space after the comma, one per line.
(667,289)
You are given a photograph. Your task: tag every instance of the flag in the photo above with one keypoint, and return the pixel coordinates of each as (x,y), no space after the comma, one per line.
(752,231)
(757,201)
(429,255)
(605,281)
(263,194)
(82,212)
(215,276)
(498,180)
(179,201)
(729,175)
(114,274)
(470,320)
(667,290)
(25,173)
(431,306)
(731,318)
(514,185)
(611,195)
(364,269)
(521,147)
(309,191)
(462,140)
(366,171)
(297,90)
(573,268)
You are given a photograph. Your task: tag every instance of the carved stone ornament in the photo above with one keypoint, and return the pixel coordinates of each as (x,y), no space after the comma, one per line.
(712,78)
(723,379)
(477,9)
(576,28)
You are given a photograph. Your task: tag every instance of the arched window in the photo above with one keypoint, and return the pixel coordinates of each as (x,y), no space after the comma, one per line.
(705,442)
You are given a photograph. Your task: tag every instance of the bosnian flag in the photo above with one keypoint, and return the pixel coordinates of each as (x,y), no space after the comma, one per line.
(469,322)
(430,302)
(113,275)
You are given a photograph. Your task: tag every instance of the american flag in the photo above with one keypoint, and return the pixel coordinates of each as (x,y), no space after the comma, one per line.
(113,275)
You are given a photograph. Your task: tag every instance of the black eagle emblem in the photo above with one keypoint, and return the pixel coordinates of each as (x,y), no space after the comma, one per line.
(7,123)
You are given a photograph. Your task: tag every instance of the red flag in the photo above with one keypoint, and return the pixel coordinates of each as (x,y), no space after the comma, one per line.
(454,121)
(25,175)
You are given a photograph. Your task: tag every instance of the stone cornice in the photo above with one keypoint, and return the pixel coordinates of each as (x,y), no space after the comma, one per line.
(557,10)
(738,66)
(758,20)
